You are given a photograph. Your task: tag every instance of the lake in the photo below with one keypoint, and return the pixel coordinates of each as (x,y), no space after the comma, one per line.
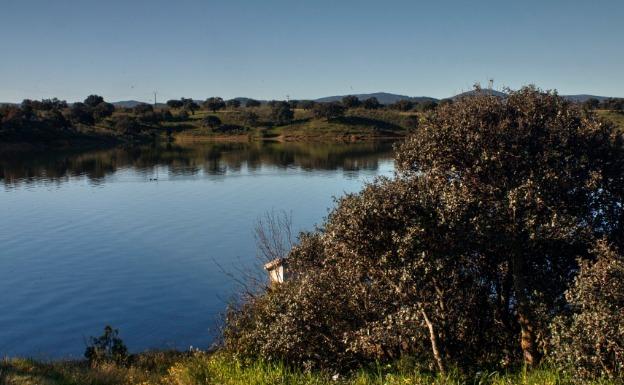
(150,239)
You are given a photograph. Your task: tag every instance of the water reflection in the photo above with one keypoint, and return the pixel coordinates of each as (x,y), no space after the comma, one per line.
(187,160)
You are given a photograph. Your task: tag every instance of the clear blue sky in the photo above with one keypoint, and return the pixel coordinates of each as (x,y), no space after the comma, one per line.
(306,49)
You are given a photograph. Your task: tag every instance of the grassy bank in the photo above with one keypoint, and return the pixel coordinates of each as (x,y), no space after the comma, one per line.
(356,124)
(202,368)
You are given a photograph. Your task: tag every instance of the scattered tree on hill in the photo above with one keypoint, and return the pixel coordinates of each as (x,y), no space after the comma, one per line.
(591,103)
(233,103)
(189,105)
(427,105)
(351,101)
(81,113)
(252,103)
(93,100)
(250,118)
(214,104)
(281,113)
(143,108)
(127,125)
(328,110)
(371,104)
(103,110)
(307,104)
(402,105)
(48,104)
(211,121)
(175,104)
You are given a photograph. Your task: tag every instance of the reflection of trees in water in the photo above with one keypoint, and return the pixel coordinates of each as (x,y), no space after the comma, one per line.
(192,159)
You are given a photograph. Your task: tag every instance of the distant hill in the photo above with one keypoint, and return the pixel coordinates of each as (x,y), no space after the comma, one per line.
(126,103)
(382,97)
(133,103)
(584,97)
(483,91)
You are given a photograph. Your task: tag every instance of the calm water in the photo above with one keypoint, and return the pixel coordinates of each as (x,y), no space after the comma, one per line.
(90,239)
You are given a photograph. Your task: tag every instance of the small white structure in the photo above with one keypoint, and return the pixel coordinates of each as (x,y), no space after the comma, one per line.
(277,270)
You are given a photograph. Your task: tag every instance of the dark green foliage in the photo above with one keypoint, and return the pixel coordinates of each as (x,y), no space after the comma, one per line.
(281,113)
(371,104)
(462,259)
(211,121)
(175,104)
(250,119)
(103,110)
(143,108)
(230,129)
(590,340)
(252,103)
(233,103)
(591,103)
(328,110)
(81,113)
(107,347)
(93,100)
(127,125)
(214,104)
(189,105)
(615,104)
(307,104)
(351,101)
(402,105)
(47,104)
(427,105)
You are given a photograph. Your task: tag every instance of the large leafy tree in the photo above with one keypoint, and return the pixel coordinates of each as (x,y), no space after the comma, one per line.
(214,104)
(536,180)
(465,255)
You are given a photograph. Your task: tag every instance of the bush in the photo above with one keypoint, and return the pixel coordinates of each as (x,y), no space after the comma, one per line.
(462,259)
(328,110)
(590,341)
(107,347)
(127,125)
(211,121)
(281,112)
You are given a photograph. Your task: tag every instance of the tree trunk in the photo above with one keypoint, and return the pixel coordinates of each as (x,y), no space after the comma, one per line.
(528,342)
(435,346)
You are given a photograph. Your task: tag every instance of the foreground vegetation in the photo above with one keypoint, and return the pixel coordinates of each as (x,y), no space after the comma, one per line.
(196,368)
(497,244)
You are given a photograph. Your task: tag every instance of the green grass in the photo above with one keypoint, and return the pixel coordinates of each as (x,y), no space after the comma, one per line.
(357,124)
(613,116)
(222,369)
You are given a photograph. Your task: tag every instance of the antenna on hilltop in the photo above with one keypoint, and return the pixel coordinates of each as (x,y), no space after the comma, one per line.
(155,93)
(491,83)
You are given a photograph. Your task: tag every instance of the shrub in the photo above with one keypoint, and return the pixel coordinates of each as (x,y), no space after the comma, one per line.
(127,125)
(211,121)
(328,110)
(590,341)
(462,258)
(103,110)
(281,113)
(107,347)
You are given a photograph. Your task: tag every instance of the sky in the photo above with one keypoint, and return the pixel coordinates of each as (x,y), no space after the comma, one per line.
(274,49)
